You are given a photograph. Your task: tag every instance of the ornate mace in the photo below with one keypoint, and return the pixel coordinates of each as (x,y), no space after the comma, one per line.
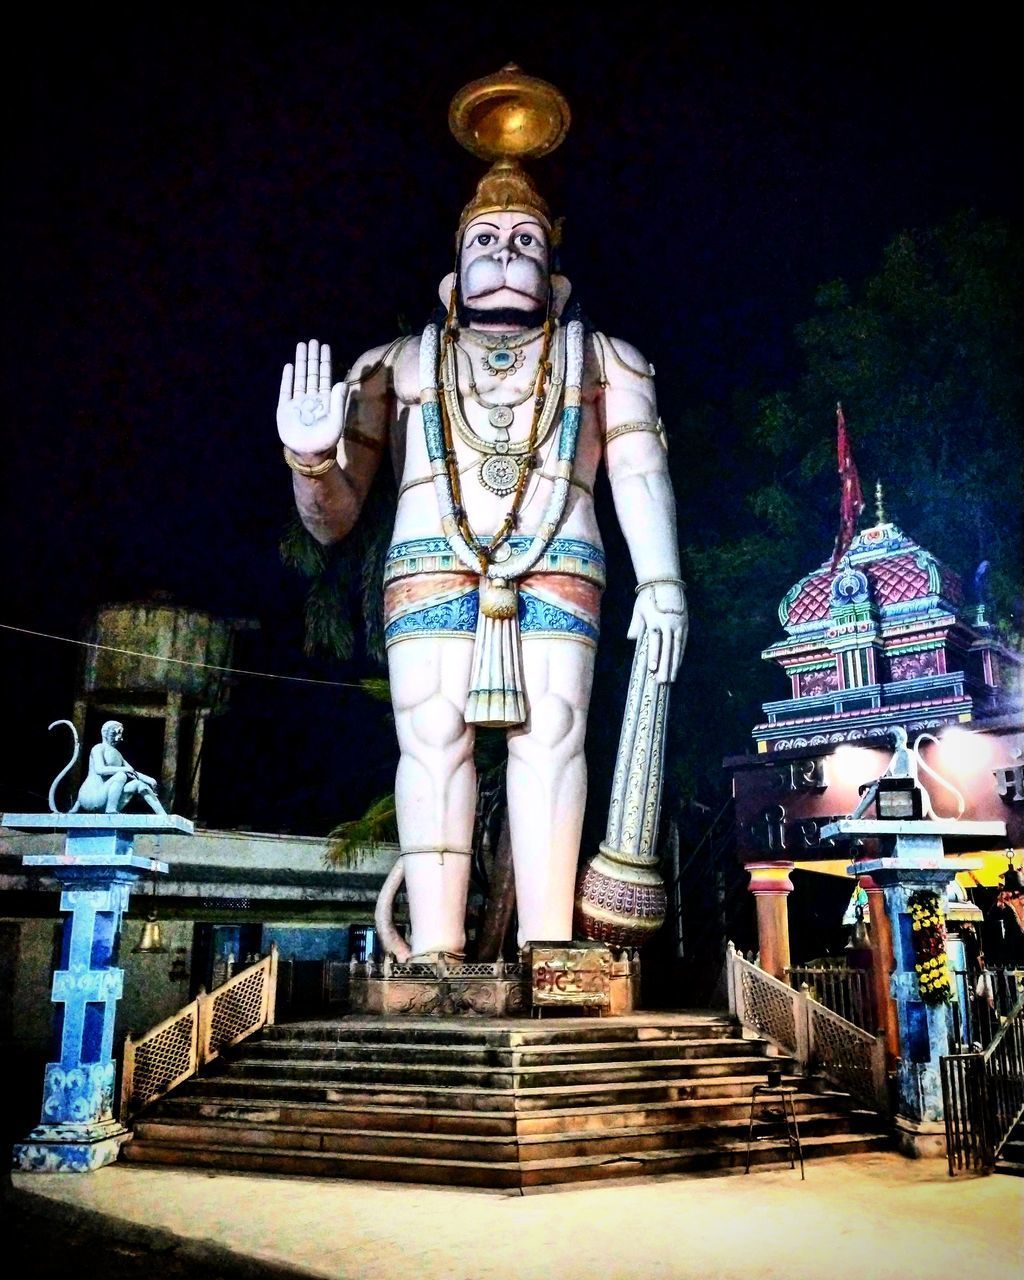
(620,897)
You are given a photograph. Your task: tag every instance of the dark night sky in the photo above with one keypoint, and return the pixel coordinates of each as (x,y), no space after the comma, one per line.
(188,196)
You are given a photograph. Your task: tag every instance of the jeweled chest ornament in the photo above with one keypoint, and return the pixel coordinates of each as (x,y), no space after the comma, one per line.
(500,473)
(501,417)
(501,361)
(504,353)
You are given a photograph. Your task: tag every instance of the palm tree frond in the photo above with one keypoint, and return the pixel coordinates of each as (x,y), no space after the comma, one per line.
(351,841)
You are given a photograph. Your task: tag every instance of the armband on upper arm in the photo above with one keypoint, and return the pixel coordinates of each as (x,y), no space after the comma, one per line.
(624,428)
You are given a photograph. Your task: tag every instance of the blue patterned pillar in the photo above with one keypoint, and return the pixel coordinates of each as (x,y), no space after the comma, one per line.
(77,1131)
(916,861)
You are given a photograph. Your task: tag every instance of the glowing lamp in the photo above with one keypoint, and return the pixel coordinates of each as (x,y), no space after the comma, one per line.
(897,799)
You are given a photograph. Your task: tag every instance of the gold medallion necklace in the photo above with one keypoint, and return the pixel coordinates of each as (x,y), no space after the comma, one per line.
(501,473)
(505,462)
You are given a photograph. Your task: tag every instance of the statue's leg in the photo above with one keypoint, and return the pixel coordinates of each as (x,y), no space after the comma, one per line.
(152,799)
(435,789)
(547,785)
(116,798)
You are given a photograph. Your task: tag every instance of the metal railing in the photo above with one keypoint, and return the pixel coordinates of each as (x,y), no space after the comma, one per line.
(984,999)
(176,1048)
(844,991)
(819,1039)
(983,1097)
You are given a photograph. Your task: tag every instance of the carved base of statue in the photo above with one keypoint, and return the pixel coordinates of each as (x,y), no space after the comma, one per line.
(438,989)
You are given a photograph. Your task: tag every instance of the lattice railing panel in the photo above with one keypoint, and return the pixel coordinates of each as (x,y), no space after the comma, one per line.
(819,1039)
(237,1009)
(843,1052)
(429,971)
(166,1058)
(413,969)
(768,1006)
(177,1047)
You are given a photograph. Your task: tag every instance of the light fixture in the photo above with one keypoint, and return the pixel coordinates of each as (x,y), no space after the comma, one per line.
(898,798)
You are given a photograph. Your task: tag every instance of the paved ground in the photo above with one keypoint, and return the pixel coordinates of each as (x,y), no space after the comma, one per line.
(873,1217)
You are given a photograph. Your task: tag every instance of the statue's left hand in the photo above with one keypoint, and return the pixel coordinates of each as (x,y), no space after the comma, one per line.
(661,609)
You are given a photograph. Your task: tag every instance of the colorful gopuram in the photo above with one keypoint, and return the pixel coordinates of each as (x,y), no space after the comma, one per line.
(882,639)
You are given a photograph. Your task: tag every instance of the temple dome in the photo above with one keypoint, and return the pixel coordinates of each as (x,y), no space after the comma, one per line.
(899,575)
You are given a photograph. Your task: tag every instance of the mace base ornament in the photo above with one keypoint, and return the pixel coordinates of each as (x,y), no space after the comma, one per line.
(618,903)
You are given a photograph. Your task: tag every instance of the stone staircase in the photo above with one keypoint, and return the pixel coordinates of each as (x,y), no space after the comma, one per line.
(512,1103)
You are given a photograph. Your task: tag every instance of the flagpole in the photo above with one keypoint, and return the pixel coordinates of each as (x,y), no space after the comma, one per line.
(851,498)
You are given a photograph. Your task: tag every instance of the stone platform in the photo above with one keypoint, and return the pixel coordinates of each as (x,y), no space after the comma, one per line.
(503,1103)
(442,989)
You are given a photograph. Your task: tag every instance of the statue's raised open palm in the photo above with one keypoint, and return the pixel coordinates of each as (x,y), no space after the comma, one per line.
(310,412)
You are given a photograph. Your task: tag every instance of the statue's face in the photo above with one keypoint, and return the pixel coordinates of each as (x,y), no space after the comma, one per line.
(504,263)
(112,731)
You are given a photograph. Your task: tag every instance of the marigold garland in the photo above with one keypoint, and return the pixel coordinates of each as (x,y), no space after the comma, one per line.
(929,936)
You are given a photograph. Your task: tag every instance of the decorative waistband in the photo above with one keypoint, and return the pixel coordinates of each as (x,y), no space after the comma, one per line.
(572,556)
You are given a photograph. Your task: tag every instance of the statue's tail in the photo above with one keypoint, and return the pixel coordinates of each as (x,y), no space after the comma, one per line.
(384,914)
(961,804)
(67,768)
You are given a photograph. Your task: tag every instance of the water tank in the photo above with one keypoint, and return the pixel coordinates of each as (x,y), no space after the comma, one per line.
(170,638)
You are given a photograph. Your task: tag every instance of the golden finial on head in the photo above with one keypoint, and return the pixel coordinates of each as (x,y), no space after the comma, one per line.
(506,117)
(879,509)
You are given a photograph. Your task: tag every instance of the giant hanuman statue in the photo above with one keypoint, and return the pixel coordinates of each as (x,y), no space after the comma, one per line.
(496,422)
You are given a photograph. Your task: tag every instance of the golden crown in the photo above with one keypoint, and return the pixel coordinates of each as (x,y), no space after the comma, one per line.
(503,117)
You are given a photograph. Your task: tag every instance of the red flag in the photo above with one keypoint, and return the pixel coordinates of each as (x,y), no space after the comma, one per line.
(851,500)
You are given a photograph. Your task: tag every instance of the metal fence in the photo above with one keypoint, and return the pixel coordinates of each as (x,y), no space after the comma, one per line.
(844,991)
(983,1097)
(983,1001)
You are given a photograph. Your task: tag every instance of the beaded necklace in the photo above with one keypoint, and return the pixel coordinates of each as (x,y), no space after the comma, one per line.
(497,694)
(505,460)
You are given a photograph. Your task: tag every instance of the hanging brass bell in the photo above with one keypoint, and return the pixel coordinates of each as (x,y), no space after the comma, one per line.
(151,943)
(860,939)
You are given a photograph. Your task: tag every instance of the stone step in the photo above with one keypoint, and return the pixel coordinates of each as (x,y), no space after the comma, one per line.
(283,1049)
(1015,1168)
(619,1141)
(553,1030)
(187,1109)
(386,1073)
(497,1173)
(728,1156)
(538,1098)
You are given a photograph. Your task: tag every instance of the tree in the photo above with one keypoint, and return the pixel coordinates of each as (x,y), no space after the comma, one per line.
(926,358)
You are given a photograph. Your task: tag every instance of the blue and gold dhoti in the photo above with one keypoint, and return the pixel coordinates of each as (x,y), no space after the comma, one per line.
(427,592)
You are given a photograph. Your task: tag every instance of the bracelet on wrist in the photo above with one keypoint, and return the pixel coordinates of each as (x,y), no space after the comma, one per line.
(309,469)
(660,582)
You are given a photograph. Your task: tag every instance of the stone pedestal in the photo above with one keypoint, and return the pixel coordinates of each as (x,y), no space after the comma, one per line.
(771,886)
(77,1131)
(438,989)
(913,859)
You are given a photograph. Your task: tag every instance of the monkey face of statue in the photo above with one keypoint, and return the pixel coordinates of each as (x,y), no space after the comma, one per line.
(504,263)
